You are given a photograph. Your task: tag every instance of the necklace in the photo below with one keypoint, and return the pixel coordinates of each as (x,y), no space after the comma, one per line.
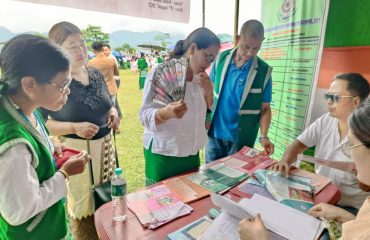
(42,133)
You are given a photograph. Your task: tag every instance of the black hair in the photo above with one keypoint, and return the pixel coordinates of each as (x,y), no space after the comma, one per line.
(106,45)
(202,37)
(359,123)
(97,46)
(252,28)
(357,84)
(27,55)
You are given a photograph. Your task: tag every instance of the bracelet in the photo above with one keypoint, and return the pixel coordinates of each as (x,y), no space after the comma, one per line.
(264,137)
(64,173)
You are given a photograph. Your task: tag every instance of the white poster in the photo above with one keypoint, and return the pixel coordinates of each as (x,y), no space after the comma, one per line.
(169,10)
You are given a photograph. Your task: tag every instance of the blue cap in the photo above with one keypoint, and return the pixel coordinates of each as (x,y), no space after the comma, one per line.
(118,171)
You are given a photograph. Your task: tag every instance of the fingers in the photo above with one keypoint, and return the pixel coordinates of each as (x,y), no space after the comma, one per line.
(257,218)
(315,210)
(92,131)
(58,151)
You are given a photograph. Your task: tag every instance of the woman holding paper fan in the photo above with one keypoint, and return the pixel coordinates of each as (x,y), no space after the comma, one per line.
(353,227)
(176,97)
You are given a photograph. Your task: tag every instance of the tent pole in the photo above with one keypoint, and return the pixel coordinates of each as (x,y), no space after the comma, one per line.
(236,22)
(203,13)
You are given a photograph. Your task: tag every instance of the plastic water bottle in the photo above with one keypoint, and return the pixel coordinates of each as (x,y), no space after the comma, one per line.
(119,198)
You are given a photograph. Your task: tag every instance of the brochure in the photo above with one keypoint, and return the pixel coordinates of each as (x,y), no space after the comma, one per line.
(156,206)
(318,182)
(248,160)
(185,189)
(294,191)
(218,178)
(191,231)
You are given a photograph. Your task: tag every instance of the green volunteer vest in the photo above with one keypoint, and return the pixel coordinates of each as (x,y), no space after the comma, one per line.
(251,103)
(51,223)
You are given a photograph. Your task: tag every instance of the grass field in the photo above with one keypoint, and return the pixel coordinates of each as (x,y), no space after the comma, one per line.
(129,141)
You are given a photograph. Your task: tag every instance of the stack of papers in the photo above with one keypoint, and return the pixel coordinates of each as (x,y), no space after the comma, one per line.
(218,178)
(156,206)
(318,182)
(185,189)
(192,231)
(248,160)
(283,222)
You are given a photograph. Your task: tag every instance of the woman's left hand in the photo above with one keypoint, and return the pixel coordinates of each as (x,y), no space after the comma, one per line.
(113,119)
(58,146)
(206,85)
(331,212)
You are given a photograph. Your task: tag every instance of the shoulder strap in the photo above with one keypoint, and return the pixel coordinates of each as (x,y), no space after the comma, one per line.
(90,164)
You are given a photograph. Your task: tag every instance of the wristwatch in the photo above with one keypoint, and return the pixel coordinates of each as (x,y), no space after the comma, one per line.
(263,137)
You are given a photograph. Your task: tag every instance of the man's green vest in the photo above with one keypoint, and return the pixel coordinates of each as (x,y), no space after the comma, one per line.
(251,102)
(51,223)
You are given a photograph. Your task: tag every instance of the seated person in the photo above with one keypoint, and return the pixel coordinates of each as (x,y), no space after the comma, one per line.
(329,133)
(353,227)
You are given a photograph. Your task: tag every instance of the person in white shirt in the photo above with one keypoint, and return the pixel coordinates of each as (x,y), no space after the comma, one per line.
(353,227)
(329,134)
(174,134)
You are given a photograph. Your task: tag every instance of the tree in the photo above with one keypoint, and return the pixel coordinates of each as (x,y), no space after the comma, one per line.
(126,48)
(163,39)
(95,34)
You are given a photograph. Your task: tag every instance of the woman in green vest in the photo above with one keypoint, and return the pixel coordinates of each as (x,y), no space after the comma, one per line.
(31,205)
(142,65)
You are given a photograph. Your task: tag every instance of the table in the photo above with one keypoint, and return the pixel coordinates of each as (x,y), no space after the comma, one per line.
(132,229)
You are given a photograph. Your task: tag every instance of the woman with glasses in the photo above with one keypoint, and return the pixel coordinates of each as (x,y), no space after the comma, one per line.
(175,133)
(353,227)
(31,205)
(85,122)
(329,136)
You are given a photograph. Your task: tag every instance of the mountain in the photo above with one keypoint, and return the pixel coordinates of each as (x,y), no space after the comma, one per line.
(136,38)
(118,38)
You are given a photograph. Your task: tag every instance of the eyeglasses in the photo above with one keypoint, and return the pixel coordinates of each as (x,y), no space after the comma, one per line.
(61,88)
(209,57)
(347,148)
(335,98)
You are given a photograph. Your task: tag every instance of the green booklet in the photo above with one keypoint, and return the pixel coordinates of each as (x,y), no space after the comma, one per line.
(218,177)
(191,231)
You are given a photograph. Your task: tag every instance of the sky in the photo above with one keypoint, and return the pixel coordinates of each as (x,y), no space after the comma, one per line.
(22,17)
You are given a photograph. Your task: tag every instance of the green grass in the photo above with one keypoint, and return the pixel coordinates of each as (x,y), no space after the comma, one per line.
(130,140)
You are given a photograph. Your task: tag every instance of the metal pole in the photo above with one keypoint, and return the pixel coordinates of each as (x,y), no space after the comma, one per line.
(236,21)
(203,13)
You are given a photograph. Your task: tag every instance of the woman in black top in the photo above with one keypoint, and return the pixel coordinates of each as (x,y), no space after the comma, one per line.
(86,122)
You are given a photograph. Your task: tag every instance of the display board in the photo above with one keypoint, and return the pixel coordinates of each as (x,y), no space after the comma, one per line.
(294,34)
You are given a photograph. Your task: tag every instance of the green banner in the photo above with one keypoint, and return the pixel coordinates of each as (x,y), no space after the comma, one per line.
(293,38)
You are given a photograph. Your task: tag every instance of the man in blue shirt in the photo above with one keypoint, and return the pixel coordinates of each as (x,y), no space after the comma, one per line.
(242,95)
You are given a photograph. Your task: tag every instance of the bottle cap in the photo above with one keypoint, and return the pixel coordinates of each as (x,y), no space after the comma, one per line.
(118,171)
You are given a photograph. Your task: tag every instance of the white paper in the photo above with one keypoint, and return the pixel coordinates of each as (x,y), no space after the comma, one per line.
(285,221)
(280,219)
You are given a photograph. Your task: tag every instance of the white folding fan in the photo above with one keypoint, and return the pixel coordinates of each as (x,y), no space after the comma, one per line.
(169,81)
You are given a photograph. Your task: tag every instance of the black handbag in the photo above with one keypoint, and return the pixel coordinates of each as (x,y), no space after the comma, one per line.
(101,193)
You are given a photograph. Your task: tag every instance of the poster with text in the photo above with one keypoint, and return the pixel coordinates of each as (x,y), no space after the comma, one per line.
(294,34)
